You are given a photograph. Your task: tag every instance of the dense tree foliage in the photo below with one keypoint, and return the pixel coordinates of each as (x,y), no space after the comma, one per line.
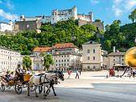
(122,37)
(65,31)
(48,60)
(27,63)
(132,16)
(68,31)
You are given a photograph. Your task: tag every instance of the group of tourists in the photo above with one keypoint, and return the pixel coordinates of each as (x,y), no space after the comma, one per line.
(11,75)
(128,71)
(77,73)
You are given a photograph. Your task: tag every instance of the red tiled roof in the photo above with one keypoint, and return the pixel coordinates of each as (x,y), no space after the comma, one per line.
(64,45)
(42,49)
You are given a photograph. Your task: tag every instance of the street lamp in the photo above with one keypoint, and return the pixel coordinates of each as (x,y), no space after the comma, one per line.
(135,40)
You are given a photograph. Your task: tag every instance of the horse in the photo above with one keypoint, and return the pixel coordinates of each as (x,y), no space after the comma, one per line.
(45,80)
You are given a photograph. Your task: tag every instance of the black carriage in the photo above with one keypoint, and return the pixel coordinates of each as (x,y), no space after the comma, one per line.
(17,82)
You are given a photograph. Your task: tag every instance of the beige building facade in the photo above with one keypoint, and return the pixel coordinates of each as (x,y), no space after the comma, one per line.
(91,56)
(116,58)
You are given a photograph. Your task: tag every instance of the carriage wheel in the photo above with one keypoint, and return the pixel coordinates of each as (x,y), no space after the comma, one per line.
(32,88)
(18,89)
(2,88)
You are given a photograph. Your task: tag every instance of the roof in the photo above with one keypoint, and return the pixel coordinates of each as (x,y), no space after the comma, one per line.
(42,49)
(4,23)
(5,48)
(91,42)
(64,45)
(117,54)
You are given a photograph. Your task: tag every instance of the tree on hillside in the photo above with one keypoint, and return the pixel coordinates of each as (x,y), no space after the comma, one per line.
(132,16)
(48,60)
(27,63)
(61,32)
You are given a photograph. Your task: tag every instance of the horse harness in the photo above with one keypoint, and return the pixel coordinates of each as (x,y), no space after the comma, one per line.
(46,80)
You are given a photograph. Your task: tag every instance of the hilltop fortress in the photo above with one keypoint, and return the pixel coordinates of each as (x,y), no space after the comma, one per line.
(34,23)
(61,15)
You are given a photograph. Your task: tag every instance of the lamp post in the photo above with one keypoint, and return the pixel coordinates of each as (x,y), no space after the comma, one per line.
(135,41)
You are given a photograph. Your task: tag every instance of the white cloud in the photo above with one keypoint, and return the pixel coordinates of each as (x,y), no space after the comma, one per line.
(94,1)
(9,4)
(121,6)
(118,12)
(7,15)
(130,4)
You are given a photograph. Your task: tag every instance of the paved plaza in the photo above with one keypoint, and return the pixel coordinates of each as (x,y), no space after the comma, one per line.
(91,87)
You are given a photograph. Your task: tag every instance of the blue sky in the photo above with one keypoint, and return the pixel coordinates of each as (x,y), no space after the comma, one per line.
(106,10)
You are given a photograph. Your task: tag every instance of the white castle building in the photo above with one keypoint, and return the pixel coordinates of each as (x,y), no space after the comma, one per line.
(4,26)
(60,15)
(9,59)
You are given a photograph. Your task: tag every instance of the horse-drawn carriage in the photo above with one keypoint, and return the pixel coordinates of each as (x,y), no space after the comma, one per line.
(17,82)
(44,82)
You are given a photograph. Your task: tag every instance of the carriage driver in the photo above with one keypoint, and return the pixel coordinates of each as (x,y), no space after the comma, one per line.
(19,72)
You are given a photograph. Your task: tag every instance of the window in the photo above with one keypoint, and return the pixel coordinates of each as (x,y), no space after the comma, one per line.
(88,58)
(68,60)
(113,59)
(93,50)
(56,60)
(56,65)
(62,60)
(94,67)
(93,58)
(88,51)
(88,67)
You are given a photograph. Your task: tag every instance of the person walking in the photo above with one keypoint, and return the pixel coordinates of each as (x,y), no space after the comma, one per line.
(80,71)
(77,74)
(69,73)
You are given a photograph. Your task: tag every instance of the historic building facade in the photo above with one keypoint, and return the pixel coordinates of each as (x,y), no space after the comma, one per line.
(9,59)
(37,62)
(92,56)
(61,15)
(34,23)
(28,25)
(65,55)
(116,58)
(6,27)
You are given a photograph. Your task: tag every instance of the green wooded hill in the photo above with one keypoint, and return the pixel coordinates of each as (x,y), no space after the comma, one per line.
(65,31)
(68,31)
(123,37)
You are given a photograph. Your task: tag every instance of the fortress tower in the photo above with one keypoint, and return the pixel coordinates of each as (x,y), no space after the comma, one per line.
(74,12)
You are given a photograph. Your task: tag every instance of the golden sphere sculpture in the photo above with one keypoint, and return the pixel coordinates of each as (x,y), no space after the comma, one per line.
(130,57)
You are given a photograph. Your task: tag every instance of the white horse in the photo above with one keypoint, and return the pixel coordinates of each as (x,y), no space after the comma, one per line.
(45,80)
